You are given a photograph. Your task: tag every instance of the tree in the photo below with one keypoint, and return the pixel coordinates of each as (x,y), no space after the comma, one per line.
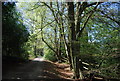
(14,33)
(104,33)
(77,33)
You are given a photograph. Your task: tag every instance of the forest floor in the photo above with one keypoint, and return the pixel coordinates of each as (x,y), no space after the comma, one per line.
(38,69)
(35,69)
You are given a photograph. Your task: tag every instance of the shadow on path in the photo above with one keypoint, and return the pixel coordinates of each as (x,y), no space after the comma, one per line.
(34,69)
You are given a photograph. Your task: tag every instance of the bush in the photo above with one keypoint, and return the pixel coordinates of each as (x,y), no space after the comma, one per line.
(49,55)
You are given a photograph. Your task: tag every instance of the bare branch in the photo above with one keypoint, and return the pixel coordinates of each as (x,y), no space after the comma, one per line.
(80,32)
(48,45)
(35,7)
(52,11)
(105,15)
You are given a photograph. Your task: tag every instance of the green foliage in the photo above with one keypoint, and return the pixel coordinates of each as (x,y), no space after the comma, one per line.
(14,33)
(100,47)
(99,42)
(35,23)
(49,55)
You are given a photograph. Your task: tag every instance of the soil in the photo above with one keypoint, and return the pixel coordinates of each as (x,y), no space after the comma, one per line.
(35,69)
(38,69)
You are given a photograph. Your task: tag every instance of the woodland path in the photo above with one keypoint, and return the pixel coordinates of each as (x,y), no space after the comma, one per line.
(37,68)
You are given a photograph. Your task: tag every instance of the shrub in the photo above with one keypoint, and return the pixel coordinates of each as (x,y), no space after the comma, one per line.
(49,55)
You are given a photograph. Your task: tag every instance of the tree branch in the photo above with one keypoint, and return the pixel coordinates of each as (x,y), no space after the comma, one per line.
(91,4)
(105,15)
(50,7)
(35,7)
(80,32)
(48,45)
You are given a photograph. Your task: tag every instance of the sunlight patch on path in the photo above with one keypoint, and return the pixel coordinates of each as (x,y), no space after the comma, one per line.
(38,59)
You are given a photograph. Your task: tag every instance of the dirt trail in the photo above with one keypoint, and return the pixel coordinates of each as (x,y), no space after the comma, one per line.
(36,69)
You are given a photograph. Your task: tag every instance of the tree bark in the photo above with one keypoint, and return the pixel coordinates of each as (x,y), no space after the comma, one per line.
(72,36)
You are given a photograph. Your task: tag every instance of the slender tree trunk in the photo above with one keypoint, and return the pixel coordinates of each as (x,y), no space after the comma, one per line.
(56,44)
(66,45)
(35,51)
(60,43)
(67,51)
(74,24)
(79,11)
(72,35)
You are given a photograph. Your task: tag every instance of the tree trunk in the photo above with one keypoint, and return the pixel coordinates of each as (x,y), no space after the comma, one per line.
(72,37)
(60,43)
(35,51)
